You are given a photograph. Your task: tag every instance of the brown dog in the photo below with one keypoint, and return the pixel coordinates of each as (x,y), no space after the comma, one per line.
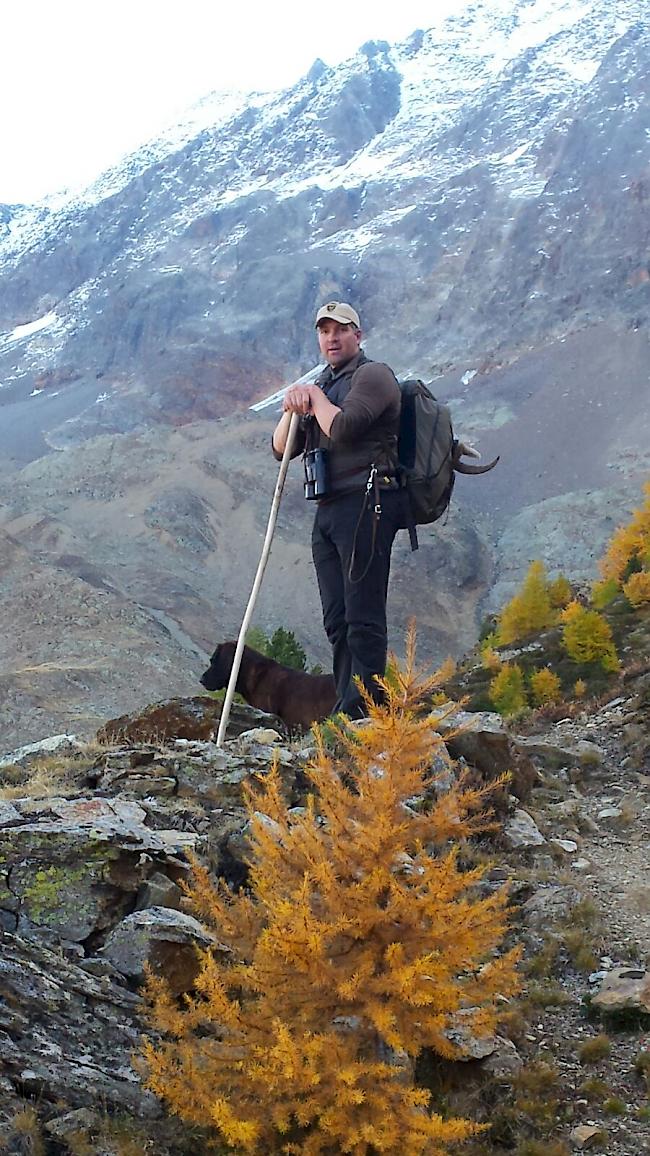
(296,697)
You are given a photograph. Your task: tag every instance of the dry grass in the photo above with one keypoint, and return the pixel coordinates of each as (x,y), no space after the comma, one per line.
(25,1134)
(594,1050)
(582,950)
(548,994)
(47,775)
(615,1106)
(595,1090)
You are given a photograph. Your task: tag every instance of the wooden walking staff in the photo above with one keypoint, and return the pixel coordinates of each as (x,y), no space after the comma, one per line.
(266,549)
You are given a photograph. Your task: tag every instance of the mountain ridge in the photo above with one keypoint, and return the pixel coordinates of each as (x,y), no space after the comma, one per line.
(480,193)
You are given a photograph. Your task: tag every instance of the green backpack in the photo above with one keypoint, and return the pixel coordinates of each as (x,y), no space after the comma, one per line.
(428,456)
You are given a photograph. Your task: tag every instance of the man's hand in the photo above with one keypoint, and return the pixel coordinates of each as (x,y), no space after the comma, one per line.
(299,398)
(305,399)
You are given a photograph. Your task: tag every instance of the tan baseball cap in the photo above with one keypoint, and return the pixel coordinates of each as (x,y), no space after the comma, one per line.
(338,311)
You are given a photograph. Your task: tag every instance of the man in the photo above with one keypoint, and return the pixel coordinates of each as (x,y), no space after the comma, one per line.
(352,412)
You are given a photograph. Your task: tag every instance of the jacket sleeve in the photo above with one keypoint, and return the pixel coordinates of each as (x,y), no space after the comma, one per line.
(373,390)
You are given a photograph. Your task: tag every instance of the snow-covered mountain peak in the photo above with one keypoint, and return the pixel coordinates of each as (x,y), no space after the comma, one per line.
(442,144)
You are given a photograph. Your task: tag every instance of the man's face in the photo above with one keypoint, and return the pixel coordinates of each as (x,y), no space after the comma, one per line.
(338,343)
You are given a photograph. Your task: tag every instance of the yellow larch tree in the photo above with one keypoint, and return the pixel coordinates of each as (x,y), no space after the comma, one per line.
(637,588)
(529,610)
(359,942)
(545,687)
(629,547)
(559,591)
(587,637)
(508,690)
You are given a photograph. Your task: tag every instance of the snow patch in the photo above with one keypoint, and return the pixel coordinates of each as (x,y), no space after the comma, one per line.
(582,70)
(23,331)
(514,156)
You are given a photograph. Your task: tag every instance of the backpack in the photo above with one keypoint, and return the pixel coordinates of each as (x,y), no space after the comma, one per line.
(428,456)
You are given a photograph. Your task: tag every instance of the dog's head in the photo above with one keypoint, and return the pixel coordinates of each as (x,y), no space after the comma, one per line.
(218,673)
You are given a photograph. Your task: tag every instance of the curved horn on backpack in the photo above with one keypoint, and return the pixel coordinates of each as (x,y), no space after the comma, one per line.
(466,468)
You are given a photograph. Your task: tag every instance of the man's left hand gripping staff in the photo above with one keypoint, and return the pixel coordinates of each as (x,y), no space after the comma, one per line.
(298,398)
(304,399)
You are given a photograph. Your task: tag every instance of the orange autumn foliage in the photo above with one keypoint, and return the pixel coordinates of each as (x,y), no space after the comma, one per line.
(359,942)
(629,547)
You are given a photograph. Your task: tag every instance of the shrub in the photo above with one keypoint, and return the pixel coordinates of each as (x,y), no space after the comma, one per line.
(256,638)
(587,637)
(642,1066)
(584,914)
(580,688)
(545,687)
(594,1050)
(25,1133)
(507,690)
(594,1089)
(547,994)
(614,1106)
(580,946)
(358,945)
(537,1091)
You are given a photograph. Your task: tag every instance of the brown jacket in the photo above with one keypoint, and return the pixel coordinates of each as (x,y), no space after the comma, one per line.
(364,433)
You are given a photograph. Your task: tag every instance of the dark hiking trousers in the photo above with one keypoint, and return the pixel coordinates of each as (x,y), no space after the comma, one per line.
(354,612)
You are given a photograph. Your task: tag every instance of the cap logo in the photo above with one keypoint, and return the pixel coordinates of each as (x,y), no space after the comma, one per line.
(331,307)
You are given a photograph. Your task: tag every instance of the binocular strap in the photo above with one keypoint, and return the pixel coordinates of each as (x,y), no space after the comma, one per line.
(372,486)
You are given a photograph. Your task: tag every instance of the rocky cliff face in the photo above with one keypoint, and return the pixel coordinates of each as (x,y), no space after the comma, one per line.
(479,191)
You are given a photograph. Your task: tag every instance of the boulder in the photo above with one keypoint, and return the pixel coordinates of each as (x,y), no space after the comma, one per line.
(555,752)
(483,740)
(183,718)
(521,831)
(550,904)
(54,745)
(624,989)
(166,940)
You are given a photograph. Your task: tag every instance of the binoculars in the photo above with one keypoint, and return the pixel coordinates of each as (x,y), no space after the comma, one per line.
(317,479)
